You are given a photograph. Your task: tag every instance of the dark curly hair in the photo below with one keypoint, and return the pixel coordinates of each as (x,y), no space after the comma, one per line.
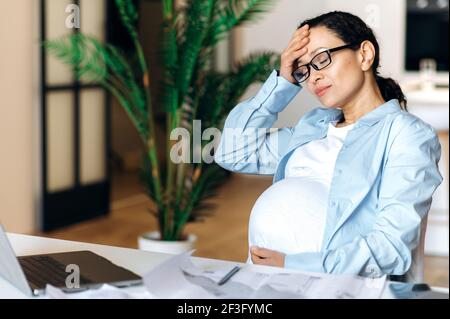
(350,28)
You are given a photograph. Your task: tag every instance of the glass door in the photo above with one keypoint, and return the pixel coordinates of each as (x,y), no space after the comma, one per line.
(75,120)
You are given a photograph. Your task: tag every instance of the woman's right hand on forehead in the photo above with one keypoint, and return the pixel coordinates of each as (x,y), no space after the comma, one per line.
(295,49)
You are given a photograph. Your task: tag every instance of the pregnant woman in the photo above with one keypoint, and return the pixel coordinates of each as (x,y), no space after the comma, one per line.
(354,179)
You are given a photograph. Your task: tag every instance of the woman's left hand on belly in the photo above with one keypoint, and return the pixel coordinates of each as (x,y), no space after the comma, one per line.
(263,256)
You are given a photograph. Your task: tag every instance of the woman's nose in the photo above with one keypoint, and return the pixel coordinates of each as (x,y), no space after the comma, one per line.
(315,76)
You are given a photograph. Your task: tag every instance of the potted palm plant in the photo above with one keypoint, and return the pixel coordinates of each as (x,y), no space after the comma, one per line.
(192,91)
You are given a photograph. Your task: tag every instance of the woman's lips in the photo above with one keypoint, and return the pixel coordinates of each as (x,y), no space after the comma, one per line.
(322,90)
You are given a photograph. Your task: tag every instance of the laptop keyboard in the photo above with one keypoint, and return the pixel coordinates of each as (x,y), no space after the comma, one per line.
(42,270)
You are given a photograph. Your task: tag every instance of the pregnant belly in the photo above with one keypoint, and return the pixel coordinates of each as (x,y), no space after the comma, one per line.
(290,216)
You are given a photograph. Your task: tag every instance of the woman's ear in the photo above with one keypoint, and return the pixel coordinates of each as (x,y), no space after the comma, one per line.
(366,55)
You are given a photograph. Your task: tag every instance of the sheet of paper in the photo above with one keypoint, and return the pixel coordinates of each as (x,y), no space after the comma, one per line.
(213,272)
(350,287)
(168,281)
(298,285)
(327,287)
(250,284)
(104,292)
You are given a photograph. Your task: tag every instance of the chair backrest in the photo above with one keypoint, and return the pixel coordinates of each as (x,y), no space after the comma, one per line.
(415,273)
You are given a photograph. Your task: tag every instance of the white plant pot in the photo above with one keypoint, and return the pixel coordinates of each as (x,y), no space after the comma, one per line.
(151,242)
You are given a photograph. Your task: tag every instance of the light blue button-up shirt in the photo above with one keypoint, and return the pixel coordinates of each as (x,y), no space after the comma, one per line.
(384,177)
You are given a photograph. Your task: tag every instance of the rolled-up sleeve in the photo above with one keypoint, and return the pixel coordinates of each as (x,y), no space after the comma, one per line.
(248,143)
(409,179)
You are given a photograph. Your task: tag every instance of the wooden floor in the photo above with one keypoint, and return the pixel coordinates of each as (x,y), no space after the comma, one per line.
(223,235)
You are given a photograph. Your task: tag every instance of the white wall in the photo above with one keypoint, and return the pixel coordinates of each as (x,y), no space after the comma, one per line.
(18,110)
(388,21)
(387,18)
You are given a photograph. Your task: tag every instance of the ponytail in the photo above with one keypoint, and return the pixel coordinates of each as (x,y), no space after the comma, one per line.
(390,89)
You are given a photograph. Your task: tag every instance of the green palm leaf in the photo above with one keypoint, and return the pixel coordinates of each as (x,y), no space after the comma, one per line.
(233,13)
(128,15)
(221,92)
(199,13)
(96,62)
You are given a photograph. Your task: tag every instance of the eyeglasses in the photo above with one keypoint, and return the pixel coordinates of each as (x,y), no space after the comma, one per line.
(318,62)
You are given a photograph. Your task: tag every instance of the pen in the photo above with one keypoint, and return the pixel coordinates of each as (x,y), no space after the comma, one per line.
(229,275)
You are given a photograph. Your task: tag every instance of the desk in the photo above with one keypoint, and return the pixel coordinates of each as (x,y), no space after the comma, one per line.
(135,260)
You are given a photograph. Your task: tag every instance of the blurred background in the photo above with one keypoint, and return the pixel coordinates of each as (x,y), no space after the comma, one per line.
(70,155)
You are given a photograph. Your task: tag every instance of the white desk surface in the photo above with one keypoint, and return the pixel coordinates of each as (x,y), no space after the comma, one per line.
(135,260)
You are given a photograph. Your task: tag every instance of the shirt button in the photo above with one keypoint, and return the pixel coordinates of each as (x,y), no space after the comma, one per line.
(339,171)
(333,203)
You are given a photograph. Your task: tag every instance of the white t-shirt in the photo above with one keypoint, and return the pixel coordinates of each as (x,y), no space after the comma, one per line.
(290,215)
(317,158)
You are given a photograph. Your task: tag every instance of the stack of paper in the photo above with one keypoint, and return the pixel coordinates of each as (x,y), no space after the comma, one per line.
(179,278)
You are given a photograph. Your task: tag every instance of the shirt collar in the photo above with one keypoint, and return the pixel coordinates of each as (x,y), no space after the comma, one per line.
(368,119)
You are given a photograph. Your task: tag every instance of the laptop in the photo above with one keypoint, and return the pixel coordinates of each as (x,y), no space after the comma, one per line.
(70,271)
